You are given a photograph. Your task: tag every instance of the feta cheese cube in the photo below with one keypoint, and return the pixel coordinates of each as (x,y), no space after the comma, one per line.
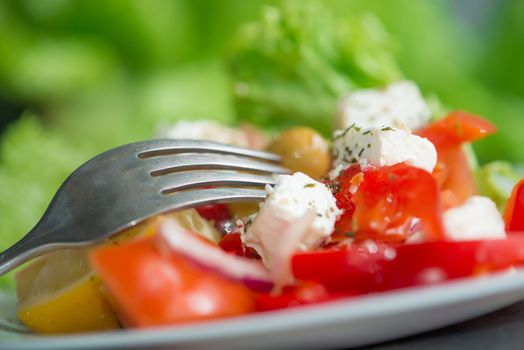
(399,105)
(204,130)
(381,147)
(477,218)
(293,198)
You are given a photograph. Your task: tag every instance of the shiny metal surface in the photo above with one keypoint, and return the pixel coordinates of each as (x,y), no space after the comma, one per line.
(126,185)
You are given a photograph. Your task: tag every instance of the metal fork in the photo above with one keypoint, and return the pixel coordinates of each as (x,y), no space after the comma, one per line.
(126,185)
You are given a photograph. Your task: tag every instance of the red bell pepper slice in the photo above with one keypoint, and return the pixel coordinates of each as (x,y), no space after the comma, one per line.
(304,293)
(372,267)
(514,213)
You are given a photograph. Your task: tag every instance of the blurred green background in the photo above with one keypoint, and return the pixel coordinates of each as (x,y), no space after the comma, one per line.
(79,77)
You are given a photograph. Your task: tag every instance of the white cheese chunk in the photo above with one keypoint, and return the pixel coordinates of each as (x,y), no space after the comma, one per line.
(293,198)
(399,105)
(381,147)
(477,218)
(204,130)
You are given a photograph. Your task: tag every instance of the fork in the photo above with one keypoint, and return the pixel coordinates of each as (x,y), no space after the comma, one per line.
(128,184)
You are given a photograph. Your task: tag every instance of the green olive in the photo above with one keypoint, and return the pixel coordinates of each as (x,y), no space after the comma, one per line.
(303,149)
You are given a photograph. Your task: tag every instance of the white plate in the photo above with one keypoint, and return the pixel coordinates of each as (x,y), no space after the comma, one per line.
(353,322)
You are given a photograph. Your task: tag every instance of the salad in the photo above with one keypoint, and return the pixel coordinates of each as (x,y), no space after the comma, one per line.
(389,202)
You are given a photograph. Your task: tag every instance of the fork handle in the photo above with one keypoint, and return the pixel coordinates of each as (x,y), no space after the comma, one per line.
(30,246)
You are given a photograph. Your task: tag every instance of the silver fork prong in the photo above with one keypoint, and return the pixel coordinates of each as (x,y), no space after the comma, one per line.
(181,162)
(192,179)
(163,147)
(194,198)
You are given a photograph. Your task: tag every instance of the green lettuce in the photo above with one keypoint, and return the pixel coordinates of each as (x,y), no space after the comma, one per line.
(36,155)
(496,180)
(293,65)
(33,163)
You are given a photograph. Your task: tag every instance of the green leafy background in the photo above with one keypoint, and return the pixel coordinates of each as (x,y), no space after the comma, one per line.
(79,77)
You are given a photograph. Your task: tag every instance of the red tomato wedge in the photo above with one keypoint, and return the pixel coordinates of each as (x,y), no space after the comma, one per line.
(514,213)
(152,289)
(342,191)
(452,172)
(458,183)
(370,267)
(456,128)
(232,243)
(390,200)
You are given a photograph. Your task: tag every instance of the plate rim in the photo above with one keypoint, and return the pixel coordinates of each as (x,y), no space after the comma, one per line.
(391,302)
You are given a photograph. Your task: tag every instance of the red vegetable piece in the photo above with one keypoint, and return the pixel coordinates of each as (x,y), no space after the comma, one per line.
(456,128)
(453,173)
(379,267)
(390,200)
(215,212)
(514,213)
(232,243)
(344,197)
(154,289)
(458,183)
(303,294)
(352,269)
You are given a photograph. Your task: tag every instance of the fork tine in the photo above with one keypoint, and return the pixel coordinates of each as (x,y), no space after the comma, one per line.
(161,147)
(180,162)
(192,179)
(194,198)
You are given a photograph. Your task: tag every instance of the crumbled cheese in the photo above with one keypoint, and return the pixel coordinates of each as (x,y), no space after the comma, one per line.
(204,130)
(399,105)
(381,147)
(477,218)
(292,198)
(337,170)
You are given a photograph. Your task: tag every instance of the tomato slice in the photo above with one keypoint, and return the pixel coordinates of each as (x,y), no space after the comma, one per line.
(456,128)
(459,183)
(453,173)
(391,200)
(371,267)
(514,213)
(342,188)
(232,243)
(152,289)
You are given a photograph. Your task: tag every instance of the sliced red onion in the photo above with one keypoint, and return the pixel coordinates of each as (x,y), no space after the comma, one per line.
(258,285)
(207,255)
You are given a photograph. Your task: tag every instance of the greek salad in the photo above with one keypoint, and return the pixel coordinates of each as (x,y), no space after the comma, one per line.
(389,202)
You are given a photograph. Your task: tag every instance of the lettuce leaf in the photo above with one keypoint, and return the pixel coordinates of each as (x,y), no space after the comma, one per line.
(37,154)
(496,180)
(293,65)
(33,163)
